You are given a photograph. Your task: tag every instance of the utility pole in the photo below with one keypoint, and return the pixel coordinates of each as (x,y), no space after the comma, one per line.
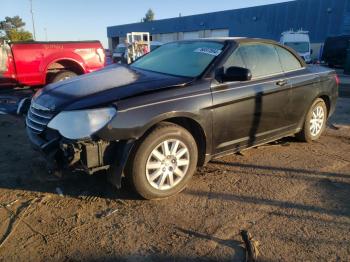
(45,29)
(31,11)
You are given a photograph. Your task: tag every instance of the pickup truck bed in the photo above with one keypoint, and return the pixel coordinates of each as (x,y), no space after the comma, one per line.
(40,63)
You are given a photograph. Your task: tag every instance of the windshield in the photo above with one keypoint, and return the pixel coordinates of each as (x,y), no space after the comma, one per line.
(3,58)
(300,47)
(119,49)
(187,59)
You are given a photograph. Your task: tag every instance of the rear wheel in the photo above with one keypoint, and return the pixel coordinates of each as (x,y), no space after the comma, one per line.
(315,122)
(164,162)
(62,75)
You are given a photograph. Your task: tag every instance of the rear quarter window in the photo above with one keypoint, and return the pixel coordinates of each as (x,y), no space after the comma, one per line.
(288,61)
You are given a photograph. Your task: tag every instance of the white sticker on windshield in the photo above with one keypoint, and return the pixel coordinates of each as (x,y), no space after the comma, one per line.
(208,51)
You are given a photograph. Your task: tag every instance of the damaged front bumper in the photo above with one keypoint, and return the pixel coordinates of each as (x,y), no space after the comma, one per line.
(89,156)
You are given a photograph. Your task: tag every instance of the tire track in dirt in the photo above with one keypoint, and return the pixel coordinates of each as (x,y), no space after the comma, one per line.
(15,219)
(219,242)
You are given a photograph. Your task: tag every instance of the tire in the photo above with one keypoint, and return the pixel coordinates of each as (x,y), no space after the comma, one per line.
(150,172)
(62,75)
(318,114)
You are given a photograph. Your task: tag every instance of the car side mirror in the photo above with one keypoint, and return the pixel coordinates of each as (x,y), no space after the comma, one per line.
(234,73)
(311,51)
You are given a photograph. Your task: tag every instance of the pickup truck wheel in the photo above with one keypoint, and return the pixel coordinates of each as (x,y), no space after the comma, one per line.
(62,75)
(164,162)
(315,122)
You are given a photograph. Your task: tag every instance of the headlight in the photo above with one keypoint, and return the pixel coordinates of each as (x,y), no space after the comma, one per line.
(81,123)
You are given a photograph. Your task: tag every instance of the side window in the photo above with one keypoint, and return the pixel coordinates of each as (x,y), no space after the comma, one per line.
(261,59)
(288,60)
(235,59)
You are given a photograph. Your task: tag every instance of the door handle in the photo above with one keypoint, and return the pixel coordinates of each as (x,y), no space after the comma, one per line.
(281,82)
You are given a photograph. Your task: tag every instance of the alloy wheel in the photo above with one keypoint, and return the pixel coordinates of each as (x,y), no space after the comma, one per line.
(167,164)
(317,120)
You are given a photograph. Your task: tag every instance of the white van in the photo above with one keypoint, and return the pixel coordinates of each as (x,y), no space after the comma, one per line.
(299,41)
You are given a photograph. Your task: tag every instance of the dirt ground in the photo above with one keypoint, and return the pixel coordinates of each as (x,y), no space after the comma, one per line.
(292,197)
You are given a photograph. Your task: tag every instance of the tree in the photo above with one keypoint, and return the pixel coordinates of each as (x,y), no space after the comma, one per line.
(149,16)
(15,22)
(13,29)
(19,35)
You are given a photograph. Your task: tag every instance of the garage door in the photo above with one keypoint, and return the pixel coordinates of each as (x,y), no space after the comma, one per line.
(165,38)
(219,33)
(191,35)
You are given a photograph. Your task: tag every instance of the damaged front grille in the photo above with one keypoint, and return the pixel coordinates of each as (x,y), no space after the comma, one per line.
(38,118)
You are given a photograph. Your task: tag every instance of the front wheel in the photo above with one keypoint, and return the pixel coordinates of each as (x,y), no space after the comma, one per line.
(315,122)
(164,162)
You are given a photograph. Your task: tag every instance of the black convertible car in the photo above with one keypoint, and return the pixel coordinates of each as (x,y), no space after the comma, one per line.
(154,121)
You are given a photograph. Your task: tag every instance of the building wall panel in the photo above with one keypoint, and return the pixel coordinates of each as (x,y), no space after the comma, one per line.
(321,18)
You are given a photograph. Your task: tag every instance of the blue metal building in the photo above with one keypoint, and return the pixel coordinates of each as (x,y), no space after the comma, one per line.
(321,18)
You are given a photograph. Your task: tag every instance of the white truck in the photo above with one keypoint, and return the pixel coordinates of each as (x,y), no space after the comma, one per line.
(299,41)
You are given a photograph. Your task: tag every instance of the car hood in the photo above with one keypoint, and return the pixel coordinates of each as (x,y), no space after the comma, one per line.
(108,85)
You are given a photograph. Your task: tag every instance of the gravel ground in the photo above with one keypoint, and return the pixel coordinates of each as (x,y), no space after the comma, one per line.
(292,197)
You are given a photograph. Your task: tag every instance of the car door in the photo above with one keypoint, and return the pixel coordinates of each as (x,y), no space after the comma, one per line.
(246,113)
(303,82)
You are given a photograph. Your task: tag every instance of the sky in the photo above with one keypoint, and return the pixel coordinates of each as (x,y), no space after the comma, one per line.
(73,20)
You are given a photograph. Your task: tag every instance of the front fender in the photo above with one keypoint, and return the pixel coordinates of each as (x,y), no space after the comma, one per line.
(133,126)
(138,114)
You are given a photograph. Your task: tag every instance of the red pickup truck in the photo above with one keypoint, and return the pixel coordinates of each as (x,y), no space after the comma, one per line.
(41,63)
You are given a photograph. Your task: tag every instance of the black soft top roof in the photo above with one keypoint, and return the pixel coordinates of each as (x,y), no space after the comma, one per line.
(244,40)
(233,39)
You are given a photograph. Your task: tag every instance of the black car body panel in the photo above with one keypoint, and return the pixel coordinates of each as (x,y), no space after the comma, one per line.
(223,117)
